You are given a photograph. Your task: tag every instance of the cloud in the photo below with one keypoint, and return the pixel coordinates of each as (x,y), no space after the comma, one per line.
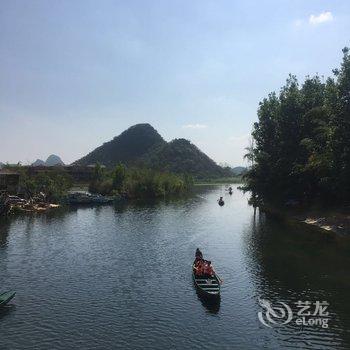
(194,126)
(321,18)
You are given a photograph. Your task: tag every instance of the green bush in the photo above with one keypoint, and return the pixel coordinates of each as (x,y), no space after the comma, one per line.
(54,184)
(140,183)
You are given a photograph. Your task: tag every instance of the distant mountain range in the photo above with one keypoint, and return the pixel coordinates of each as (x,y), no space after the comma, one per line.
(239,170)
(52,160)
(141,145)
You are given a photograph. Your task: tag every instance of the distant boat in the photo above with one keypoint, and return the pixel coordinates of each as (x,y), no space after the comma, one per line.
(221,202)
(6,297)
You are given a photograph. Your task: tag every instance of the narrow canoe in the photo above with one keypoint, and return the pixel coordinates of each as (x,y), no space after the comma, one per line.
(207,286)
(6,297)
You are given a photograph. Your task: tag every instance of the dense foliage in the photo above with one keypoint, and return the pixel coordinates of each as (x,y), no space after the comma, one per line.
(138,182)
(53,184)
(301,143)
(181,156)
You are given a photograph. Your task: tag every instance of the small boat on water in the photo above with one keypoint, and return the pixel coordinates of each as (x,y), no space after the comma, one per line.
(208,286)
(6,297)
(221,201)
(205,278)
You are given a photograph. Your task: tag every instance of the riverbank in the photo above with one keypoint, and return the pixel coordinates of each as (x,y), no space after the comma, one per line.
(335,221)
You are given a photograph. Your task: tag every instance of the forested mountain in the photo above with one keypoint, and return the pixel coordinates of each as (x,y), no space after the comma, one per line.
(301,145)
(126,148)
(239,170)
(141,145)
(181,156)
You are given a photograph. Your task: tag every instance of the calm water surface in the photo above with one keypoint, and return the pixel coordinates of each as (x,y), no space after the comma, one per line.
(120,278)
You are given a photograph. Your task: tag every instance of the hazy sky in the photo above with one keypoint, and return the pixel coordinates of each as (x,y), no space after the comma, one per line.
(74,74)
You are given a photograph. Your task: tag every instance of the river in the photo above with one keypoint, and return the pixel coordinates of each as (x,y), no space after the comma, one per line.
(119,277)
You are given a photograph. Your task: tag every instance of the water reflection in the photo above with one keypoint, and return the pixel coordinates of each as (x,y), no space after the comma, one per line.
(6,310)
(5,224)
(290,263)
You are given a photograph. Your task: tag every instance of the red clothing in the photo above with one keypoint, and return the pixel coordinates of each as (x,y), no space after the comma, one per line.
(208,270)
(200,268)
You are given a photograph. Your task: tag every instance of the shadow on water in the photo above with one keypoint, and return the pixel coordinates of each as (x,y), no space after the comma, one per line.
(6,310)
(211,304)
(289,262)
(5,224)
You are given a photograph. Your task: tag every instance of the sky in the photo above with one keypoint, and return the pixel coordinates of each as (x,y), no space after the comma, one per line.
(74,74)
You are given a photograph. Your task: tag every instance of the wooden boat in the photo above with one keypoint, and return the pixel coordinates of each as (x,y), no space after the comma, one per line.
(207,286)
(6,297)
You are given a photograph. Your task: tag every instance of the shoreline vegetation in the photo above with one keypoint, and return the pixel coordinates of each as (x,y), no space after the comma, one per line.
(46,188)
(38,192)
(300,151)
(138,183)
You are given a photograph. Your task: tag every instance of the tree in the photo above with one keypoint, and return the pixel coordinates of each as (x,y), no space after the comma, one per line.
(301,147)
(118,177)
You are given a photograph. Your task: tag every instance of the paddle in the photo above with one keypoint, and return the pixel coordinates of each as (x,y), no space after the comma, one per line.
(220,280)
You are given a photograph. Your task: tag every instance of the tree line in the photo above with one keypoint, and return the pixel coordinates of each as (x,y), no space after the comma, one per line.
(138,183)
(300,148)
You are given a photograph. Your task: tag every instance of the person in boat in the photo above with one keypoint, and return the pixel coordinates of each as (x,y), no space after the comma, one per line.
(199,268)
(208,269)
(199,255)
(221,201)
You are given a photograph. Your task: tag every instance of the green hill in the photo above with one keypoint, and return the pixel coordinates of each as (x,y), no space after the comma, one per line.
(181,156)
(141,145)
(126,148)
(239,170)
